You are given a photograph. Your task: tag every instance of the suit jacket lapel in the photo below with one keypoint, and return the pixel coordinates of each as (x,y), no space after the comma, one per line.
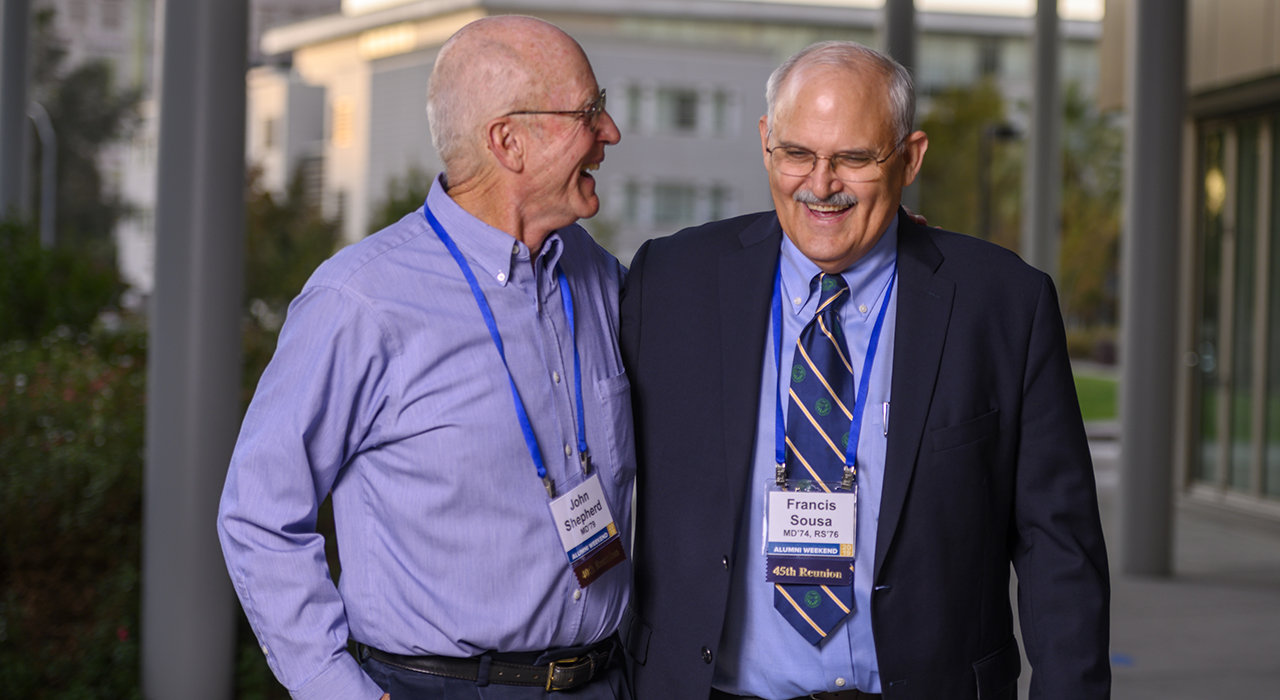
(746,275)
(924,310)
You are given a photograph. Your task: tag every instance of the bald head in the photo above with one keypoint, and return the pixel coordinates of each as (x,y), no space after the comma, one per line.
(491,67)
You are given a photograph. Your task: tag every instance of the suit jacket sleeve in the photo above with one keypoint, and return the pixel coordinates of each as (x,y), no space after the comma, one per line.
(1058,552)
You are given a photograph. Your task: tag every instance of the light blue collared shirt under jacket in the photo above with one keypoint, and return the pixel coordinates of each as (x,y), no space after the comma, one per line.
(761,654)
(387,390)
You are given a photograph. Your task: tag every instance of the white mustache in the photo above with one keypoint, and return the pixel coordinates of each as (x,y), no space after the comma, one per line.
(836,199)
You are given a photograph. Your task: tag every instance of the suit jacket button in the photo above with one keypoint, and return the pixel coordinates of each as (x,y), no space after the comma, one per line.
(725,561)
(706,654)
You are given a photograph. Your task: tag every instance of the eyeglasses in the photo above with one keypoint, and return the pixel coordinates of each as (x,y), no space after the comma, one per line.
(847,167)
(590,115)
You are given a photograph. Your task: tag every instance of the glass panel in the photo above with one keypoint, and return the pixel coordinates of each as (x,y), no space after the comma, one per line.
(673,204)
(1213,197)
(1271,473)
(1242,303)
(634,96)
(677,110)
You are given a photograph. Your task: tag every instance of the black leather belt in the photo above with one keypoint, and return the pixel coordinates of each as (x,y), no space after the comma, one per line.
(852,694)
(561,674)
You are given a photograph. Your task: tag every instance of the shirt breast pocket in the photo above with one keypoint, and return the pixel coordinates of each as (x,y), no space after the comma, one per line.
(615,399)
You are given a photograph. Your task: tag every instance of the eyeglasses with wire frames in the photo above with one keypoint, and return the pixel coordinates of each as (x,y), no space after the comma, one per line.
(846,167)
(590,116)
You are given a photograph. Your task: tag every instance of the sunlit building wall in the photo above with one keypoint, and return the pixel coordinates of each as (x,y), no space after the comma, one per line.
(685,83)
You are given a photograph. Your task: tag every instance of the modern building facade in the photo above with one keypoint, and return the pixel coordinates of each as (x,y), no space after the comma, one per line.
(685,81)
(1228,417)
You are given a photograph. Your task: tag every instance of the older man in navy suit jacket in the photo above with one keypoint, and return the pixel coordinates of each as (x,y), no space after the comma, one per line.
(965,450)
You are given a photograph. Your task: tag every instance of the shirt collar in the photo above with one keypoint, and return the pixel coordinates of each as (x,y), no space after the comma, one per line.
(493,250)
(867,278)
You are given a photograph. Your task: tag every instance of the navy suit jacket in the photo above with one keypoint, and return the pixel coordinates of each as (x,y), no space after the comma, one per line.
(987,464)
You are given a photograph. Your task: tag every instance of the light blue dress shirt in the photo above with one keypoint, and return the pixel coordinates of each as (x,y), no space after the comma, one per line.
(387,389)
(761,654)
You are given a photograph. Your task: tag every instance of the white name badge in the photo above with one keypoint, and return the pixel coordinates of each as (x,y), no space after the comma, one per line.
(587,531)
(811,523)
(809,537)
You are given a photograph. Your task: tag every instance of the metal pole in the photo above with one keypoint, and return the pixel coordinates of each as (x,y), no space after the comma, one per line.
(48,173)
(194,355)
(1156,86)
(900,43)
(1043,180)
(14,24)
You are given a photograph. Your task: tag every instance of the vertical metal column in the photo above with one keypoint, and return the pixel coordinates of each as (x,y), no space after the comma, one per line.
(194,352)
(14,23)
(1155,95)
(1042,183)
(900,43)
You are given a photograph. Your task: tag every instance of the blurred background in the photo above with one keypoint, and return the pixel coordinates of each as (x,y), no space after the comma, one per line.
(336,146)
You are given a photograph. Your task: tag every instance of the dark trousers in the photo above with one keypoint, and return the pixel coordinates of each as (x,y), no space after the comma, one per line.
(402,684)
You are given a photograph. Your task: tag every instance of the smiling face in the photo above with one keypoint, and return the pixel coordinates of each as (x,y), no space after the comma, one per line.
(828,110)
(566,150)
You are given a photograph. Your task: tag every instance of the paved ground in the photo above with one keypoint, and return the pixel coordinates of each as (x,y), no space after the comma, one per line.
(1210,631)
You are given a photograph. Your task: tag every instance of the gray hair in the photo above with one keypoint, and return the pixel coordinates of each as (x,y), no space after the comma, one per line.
(855,57)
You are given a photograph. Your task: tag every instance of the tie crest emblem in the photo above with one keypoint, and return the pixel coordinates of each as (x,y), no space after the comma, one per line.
(812,599)
(798,374)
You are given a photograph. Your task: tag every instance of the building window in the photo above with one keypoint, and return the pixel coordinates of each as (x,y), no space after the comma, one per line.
(344,121)
(631,203)
(79,12)
(269,133)
(111,14)
(634,97)
(719,203)
(1235,360)
(720,112)
(673,204)
(677,110)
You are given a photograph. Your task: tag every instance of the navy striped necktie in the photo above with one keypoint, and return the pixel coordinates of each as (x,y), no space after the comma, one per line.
(818,418)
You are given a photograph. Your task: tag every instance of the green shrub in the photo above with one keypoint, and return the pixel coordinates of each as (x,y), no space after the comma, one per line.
(71,442)
(46,289)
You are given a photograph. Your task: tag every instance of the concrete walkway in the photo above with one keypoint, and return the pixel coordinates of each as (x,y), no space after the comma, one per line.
(1210,631)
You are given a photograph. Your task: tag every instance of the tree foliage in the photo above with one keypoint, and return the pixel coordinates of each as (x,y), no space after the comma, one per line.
(88,112)
(951,193)
(71,438)
(1091,198)
(286,239)
(404,195)
(47,289)
(950,180)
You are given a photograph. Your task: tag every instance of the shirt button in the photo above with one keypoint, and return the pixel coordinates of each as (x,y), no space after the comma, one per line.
(264,650)
(840,682)
(577,594)
(515,248)
(502,277)
(797,301)
(568,450)
(556,376)
(706,655)
(863,308)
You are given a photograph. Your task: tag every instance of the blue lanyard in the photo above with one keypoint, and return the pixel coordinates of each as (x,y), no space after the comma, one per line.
(566,295)
(860,402)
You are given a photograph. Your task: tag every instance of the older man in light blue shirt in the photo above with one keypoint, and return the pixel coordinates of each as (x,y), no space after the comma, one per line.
(446,379)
